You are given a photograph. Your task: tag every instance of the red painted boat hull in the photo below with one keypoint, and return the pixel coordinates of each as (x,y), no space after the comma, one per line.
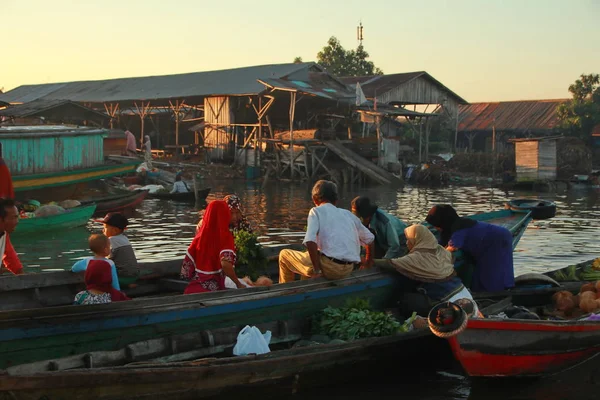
(524,348)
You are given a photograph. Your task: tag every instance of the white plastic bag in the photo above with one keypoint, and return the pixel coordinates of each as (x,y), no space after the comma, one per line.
(251,341)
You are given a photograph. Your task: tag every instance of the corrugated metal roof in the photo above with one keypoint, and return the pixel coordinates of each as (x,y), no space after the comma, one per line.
(533,116)
(27,93)
(332,90)
(237,81)
(381,84)
(38,107)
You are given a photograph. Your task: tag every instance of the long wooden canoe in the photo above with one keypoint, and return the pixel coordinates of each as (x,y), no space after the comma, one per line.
(40,334)
(204,358)
(196,326)
(215,371)
(69,219)
(46,180)
(59,288)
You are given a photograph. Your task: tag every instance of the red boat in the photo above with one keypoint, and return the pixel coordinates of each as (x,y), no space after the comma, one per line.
(118,202)
(524,348)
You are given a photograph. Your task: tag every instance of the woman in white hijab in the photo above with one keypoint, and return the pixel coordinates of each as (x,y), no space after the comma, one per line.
(429,270)
(148,151)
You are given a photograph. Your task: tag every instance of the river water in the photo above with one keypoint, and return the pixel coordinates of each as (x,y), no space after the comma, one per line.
(162,230)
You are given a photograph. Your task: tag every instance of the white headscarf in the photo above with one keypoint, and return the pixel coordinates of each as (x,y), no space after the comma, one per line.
(427,261)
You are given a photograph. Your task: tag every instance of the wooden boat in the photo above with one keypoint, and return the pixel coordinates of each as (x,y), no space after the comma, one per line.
(59,287)
(53,179)
(117,202)
(494,347)
(524,348)
(42,333)
(155,367)
(200,195)
(69,219)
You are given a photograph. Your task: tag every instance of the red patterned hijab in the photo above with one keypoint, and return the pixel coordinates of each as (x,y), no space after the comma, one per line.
(212,239)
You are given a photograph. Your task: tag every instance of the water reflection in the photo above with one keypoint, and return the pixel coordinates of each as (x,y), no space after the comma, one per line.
(162,229)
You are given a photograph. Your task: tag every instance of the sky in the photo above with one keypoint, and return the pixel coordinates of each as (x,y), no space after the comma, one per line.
(483,50)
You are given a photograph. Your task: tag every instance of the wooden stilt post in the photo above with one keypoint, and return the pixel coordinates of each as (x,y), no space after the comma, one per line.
(258,148)
(142,112)
(111,110)
(292,112)
(179,104)
(420,139)
(378,127)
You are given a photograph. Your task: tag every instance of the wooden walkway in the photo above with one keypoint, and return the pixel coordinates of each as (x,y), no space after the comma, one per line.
(363,165)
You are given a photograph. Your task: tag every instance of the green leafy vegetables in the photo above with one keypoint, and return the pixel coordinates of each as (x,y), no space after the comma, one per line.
(251,259)
(356,321)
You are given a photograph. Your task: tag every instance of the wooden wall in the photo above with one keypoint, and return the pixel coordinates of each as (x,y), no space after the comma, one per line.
(217,134)
(526,158)
(547,160)
(536,160)
(420,91)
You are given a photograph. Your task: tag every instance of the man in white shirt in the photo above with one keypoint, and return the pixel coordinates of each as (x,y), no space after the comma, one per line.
(333,239)
(179,186)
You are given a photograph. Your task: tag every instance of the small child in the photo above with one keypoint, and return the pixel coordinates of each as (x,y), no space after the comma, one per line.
(121,251)
(100,246)
(102,284)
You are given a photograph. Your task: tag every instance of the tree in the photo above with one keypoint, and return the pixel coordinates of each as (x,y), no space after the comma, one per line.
(341,62)
(298,60)
(579,115)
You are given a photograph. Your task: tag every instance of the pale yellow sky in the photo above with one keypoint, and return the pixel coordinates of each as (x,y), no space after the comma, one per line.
(482,50)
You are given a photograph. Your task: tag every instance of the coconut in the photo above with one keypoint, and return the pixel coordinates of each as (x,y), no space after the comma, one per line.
(565,304)
(561,294)
(586,296)
(588,305)
(588,287)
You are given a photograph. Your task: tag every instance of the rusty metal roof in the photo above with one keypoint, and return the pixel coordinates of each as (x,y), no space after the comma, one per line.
(530,116)
(381,84)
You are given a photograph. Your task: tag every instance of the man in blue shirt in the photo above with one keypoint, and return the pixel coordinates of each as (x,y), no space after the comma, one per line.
(389,230)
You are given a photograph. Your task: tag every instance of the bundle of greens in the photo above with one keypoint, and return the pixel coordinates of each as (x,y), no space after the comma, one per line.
(357,320)
(251,259)
(590,272)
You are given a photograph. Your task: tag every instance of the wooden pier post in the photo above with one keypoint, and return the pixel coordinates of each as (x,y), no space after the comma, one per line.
(292,113)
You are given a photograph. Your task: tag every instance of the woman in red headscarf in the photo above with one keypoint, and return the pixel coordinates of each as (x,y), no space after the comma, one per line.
(98,282)
(6,185)
(211,256)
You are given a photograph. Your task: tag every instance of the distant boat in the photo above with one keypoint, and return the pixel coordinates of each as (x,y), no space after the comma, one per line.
(69,219)
(117,202)
(191,197)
